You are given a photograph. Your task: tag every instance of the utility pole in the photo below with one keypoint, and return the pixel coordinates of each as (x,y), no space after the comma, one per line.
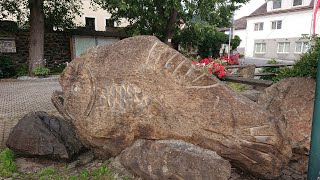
(314,155)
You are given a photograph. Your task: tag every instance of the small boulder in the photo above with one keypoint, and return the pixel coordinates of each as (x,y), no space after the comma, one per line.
(291,100)
(248,71)
(39,134)
(174,159)
(253,95)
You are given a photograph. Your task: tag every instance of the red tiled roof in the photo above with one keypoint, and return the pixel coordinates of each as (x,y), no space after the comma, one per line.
(262,10)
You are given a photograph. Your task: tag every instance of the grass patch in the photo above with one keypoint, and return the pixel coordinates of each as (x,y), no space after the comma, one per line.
(99,173)
(7,164)
(102,171)
(47,172)
(238,87)
(8,168)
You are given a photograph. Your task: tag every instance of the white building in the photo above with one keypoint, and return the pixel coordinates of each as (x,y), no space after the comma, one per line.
(275,30)
(96,18)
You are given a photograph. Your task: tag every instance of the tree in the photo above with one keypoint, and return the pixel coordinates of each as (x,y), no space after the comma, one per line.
(160,17)
(205,38)
(38,15)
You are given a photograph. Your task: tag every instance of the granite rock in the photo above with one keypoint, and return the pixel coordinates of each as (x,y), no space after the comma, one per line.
(139,88)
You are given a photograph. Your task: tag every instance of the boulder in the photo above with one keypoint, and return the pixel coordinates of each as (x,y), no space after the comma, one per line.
(248,71)
(140,88)
(39,134)
(174,159)
(253,95)
(291,100)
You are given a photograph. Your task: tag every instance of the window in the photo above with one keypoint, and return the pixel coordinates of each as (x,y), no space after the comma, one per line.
(276,4)
(260,47)
(302,47)
(283,47)
(90,23)
(297,2)
(276,25)
(109,23)
(258,26)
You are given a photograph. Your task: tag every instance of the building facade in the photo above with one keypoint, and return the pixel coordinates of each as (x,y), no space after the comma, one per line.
(275,30)
(97,19)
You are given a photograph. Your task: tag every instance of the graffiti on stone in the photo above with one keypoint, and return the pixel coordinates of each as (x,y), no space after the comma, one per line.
(7,45)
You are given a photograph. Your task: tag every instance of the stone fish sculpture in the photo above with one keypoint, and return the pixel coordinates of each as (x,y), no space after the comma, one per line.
(139,88)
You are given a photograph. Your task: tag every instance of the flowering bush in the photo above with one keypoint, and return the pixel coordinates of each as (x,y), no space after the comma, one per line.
(233,60)
(218,66)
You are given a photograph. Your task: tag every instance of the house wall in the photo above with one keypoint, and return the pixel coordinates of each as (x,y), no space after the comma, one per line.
(294,24)
(272,48)
(242,33)
(99,14)
(286,4)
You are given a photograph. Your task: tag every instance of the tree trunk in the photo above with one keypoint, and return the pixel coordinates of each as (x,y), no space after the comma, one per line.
(36,43)
(170,27)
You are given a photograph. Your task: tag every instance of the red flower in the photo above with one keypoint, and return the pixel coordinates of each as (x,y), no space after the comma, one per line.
(221,74)
(217,69)
(195,62)
(205,61)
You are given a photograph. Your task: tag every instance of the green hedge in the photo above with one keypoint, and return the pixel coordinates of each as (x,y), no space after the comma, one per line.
(7,68)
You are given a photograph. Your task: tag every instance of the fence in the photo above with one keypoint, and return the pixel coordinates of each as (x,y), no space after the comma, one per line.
(248,72)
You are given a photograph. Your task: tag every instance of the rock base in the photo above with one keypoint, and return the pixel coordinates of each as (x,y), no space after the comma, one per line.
(39,134)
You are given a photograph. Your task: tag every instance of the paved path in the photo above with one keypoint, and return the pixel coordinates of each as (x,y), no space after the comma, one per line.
(20,97)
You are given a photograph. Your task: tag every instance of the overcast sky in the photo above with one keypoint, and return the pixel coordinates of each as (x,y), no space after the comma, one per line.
(248,8)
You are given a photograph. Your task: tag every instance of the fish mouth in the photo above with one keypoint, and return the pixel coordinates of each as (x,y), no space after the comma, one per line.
(58,102)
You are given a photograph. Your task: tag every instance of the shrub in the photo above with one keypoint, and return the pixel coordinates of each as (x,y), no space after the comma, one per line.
(58,68)
(6,67)
(7,164)
(21,70)
(275,70)
(306,66)
(41,71)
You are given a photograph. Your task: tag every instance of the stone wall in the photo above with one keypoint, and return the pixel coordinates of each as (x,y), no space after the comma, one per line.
(57,47)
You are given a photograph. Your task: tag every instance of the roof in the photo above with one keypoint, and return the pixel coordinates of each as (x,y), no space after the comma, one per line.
(238,24)
(262,10)
(110,32)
